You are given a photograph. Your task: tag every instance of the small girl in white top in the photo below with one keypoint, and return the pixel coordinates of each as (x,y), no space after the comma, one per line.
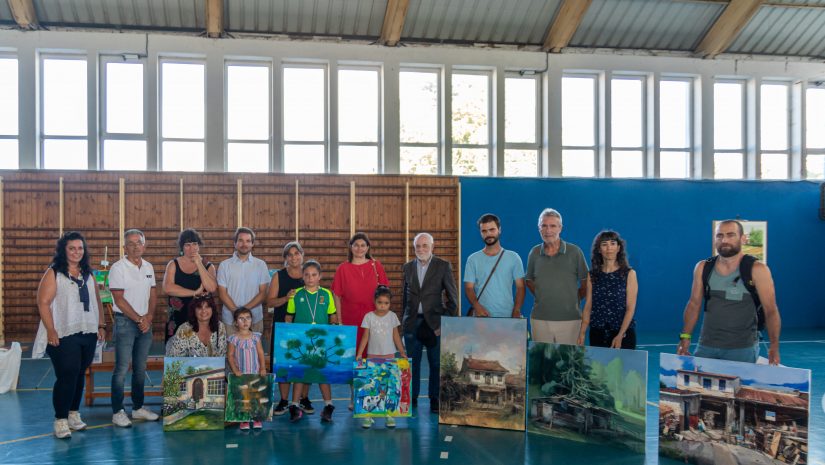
(381,338)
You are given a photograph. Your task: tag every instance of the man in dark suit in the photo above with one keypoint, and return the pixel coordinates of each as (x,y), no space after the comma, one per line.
(429,292)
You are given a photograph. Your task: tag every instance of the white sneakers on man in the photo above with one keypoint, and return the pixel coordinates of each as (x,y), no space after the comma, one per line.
(144,414)
(121,419)
(74,421)
(61,429)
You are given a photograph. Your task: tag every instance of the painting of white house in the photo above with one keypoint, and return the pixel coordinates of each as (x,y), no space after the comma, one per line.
(747,412)
(194,390)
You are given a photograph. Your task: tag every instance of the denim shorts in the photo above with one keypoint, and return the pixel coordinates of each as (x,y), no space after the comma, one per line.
(746,354)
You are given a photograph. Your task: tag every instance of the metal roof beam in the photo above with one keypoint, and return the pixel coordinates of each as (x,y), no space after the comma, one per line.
(24,14)
(727,27)
(214,18)
(567,20)
(394,19)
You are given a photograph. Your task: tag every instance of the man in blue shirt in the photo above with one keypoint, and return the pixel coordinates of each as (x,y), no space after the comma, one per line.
(489,287)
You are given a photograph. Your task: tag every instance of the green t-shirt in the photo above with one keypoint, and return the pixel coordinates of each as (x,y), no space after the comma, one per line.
(556,280)
(311,307)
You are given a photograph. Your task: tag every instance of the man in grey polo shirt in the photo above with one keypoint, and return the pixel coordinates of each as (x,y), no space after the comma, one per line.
(242,282)
(558,278)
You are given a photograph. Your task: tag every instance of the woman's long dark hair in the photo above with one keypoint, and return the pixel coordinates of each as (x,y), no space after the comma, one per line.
(355,237)
(596,258)
(60,262)
(214,321)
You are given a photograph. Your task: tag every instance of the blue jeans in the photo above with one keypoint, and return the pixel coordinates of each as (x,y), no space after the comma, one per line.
(131,345)
(747,354)
(414,349)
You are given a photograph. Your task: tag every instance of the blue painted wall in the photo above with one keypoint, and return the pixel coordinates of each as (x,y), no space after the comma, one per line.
(667,225)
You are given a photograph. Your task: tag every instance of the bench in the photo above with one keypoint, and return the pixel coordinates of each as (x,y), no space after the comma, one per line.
(153,363)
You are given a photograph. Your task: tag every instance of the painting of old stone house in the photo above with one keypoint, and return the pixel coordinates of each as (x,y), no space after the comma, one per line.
(587,394)
(483,372)
(747,412)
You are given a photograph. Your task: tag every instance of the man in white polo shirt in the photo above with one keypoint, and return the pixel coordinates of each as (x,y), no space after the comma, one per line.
(242,282)
(132,282)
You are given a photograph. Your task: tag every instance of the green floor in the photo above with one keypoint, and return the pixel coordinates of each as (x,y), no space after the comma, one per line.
(26,425)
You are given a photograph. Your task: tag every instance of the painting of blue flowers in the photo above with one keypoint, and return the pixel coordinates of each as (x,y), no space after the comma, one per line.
(313,354)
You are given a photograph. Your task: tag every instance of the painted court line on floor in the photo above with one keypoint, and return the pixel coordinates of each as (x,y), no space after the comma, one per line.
(445,455)
(448,439)
(39,436)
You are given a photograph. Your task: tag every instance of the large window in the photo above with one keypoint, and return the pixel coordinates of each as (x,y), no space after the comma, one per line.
(471,123)
(774,130)
(627,123)
(359,120)
(63,112)
(182,115)
(815,133)
(728,130)
(9,155)
(305,119)
(579,125)
(521,116)
(420,120)
(123,123)
(675,128)
(248,134)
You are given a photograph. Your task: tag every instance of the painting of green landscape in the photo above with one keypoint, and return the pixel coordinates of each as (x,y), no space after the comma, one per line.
(587,394)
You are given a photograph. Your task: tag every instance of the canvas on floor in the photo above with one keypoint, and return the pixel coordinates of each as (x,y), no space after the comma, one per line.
(194,390)
(483,372)
(249,398)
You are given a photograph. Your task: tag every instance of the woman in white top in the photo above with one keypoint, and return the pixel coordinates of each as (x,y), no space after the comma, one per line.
(72,316)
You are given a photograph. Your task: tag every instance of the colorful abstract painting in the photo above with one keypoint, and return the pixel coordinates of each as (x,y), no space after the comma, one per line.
(194,391)
(741,412)
(249,398)
(587,394)
(316,354)
(382,388)
(483,372)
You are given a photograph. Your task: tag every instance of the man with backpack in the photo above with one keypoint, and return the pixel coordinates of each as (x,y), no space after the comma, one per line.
(738,297)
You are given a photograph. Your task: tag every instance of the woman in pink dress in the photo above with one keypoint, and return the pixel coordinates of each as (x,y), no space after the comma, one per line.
(355,282)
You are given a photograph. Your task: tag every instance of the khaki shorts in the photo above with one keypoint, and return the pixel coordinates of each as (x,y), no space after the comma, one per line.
(560,332)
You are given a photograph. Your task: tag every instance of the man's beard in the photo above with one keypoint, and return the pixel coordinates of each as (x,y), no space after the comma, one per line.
(491,240)
(728,251)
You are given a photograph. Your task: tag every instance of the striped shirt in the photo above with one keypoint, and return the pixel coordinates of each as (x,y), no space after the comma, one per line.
(246,353)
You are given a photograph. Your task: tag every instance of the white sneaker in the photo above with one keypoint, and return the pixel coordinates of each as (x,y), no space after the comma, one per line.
(120,419)
(61,429)
(144,414)
(75,423)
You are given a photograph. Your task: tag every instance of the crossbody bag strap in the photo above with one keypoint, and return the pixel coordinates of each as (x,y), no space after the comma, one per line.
(490,275)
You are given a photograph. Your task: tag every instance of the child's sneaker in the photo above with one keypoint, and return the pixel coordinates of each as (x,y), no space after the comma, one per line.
(390,422)
(75,422)
(245,426)
(367,422)
(295,413)
(257,424)
(306,405)
(282,407)
(326,414)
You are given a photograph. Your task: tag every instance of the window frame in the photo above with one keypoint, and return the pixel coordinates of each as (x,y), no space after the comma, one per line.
(642,149)
(103,129)
(327,123)
(379,151)
(537,144)
(742,150)
(438,144)
(491,123)
(787,151)
(691,122)
(171,59)
(595,77)
(806,150)
(15,137)
(269,141)
(41,108)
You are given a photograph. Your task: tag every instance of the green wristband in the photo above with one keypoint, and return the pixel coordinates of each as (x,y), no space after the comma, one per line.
(685,336)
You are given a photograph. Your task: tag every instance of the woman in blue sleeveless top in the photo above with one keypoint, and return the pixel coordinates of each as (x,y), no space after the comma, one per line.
(611,295)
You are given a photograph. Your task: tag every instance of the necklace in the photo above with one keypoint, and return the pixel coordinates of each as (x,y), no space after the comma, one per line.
(313,308)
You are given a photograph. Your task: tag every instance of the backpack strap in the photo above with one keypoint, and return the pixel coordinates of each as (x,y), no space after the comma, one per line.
(746,273)
(706,271)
